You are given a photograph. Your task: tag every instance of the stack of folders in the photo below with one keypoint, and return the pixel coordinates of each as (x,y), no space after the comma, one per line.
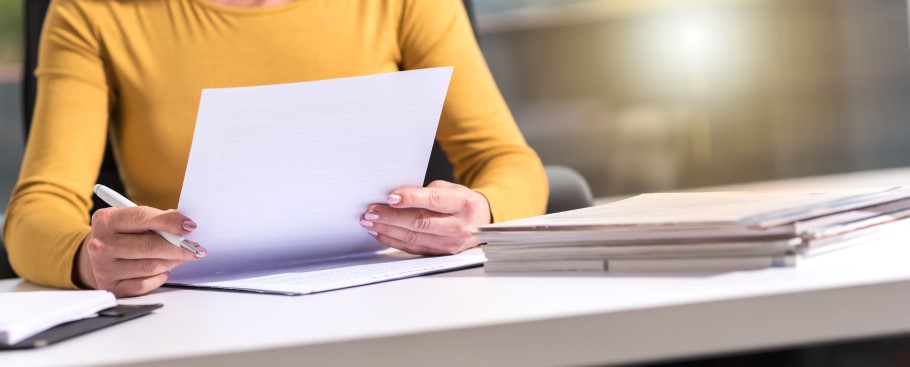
(710,231)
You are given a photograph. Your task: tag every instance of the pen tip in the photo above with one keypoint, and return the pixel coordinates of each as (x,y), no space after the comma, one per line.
(189,246)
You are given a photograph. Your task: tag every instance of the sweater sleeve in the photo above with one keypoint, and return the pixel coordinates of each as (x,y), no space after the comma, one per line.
(476,130)
(47,217)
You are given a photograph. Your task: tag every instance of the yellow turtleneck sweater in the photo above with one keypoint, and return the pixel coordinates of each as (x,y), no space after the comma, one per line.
(141,65)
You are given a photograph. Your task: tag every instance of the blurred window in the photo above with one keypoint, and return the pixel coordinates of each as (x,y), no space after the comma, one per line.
(659,95)
(11,138)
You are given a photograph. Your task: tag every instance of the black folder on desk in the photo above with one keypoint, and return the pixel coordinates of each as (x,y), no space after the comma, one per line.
(107,317)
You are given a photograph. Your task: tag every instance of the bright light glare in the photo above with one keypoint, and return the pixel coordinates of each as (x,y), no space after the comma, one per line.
(693,40)
(694,51)
(696,41)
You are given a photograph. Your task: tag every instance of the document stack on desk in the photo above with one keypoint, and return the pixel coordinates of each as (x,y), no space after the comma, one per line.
(697,231)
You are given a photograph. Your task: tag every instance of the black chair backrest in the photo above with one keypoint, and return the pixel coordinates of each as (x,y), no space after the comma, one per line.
(34,20)
(438,168)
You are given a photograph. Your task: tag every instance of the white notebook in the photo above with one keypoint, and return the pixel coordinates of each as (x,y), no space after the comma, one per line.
(24,314)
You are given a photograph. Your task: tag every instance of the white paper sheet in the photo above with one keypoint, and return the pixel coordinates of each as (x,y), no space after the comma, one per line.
(341,273)
(280,174)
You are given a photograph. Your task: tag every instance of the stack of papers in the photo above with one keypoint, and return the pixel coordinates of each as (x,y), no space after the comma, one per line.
(24,314)
(697,231)
(279,175)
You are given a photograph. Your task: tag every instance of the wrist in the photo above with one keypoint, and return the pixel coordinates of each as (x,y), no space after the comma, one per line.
(83,276)
(482,208)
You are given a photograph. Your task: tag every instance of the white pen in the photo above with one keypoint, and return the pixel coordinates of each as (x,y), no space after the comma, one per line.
(116,200)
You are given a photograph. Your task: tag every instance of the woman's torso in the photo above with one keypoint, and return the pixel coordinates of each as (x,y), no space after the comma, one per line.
(160,54)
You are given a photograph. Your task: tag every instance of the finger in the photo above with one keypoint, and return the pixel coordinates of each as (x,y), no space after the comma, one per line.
(129,269)
(141,246)
(141,219)
(432,198)
(415,238)
(409,248)
(138,286)
(443,184)
(419,220)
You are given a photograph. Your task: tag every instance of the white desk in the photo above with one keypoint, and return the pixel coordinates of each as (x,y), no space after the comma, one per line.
(469,318)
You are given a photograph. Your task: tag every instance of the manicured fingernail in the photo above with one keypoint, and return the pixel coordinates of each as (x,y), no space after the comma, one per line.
(394,199)
(371,215)
(373,233)
(202,250)
(366,223)
(189,225)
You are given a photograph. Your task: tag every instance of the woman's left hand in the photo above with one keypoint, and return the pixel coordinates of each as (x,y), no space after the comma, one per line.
(435,220)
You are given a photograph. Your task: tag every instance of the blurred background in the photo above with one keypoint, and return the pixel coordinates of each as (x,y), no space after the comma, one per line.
(649,95)
(656,95)
(11,139)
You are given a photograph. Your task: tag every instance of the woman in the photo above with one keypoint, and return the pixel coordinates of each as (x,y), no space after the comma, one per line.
(141,65)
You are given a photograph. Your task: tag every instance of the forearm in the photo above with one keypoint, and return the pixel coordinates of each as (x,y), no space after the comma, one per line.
(47,217)
(42,238)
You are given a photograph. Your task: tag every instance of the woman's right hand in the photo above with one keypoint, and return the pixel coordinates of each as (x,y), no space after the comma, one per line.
(122,254)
